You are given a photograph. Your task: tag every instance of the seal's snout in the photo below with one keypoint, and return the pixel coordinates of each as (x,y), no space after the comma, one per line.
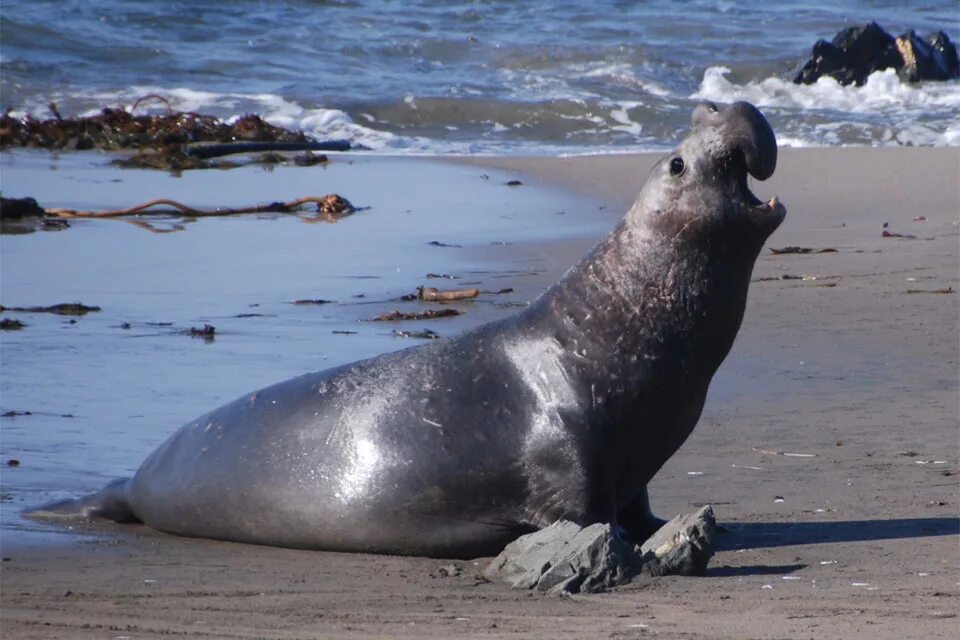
(755,138)
(745,130)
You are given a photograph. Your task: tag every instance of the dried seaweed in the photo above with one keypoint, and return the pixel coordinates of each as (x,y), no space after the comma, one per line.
(428,314)
(61,309)
(172,140)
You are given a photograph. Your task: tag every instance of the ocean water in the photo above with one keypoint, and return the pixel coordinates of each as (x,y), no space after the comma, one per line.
(488,76)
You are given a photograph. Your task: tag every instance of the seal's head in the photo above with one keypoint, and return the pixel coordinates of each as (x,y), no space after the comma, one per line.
(701,188)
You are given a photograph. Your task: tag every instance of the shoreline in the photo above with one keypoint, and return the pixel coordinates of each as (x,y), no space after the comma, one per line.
(856,370)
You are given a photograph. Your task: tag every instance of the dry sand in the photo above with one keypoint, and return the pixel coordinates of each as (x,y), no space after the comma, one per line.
(857,537)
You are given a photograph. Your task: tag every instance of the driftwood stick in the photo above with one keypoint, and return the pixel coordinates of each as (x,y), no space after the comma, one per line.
(205,151)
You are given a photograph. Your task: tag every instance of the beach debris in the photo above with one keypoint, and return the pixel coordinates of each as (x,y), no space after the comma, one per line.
(334,204)
(787,276)
(566,558)
(793,249)
(743,466)
(19,208)
(442,275)
(169,158)
(312,301)
(890,234)
(514,183)
(13,414)
(784,453)
(343,332)
(422,334)
(271,157)
(856,52)
(61,309)
(427,314)
(249,315)
(309,159)
(13,462)
(431,294)
(778,498)
(207,332)
(168,140)
(11,324)
(944,290)
(919,218)
(328,204)
(450,570)
(437,243)
(330,208)
(500,292)
(270,149)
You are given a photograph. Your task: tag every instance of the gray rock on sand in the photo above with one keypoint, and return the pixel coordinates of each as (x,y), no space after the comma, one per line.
(565,557)
(682,547)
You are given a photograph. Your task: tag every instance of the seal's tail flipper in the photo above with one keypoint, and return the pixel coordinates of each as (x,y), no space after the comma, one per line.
(111,503)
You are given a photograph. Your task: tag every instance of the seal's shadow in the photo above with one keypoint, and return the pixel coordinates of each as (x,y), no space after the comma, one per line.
(756,535)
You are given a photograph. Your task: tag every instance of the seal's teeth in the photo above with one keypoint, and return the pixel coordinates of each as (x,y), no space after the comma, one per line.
(773,202)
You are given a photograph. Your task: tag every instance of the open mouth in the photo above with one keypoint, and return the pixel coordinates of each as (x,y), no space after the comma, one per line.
(771,210)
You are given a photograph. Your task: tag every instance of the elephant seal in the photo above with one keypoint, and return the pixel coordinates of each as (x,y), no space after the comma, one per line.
(457,447)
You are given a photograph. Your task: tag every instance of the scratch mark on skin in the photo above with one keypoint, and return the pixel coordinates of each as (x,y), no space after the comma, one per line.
(432,423)
(539,365)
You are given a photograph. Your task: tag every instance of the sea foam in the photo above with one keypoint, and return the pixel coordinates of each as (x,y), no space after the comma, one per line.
(885,111)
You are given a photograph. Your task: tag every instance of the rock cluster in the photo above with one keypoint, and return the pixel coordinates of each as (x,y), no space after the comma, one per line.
(856,52)
(568,558)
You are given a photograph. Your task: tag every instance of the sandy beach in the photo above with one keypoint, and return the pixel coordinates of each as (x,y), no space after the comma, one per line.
(828,446)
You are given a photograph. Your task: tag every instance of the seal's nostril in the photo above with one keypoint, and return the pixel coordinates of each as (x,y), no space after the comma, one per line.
(713,108)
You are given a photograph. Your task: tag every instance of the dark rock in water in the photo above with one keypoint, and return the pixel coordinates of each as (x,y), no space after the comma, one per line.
(856,52)
(933,58)
(17,208)
(566,557)
(9,324)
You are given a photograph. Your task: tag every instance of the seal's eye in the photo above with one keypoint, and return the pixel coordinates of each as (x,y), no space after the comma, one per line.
(676,166)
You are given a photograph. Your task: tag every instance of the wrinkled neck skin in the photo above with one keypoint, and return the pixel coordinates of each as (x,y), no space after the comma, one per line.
(641,324)
(653,296)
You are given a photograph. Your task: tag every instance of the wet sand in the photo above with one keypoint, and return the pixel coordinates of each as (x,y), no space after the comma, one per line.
(828,447)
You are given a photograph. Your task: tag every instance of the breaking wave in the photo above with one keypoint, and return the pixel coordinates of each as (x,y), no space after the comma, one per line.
(884,111)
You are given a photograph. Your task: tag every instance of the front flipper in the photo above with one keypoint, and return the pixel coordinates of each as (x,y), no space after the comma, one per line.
(637,518)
